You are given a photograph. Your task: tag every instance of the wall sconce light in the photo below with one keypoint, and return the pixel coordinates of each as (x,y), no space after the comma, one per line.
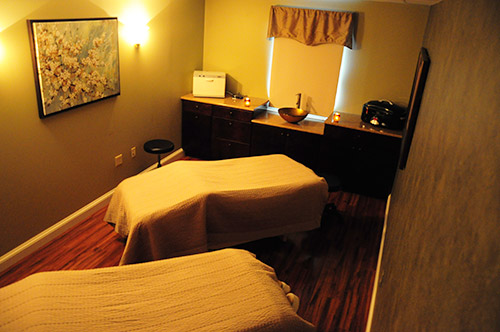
(135,18)
(136,34)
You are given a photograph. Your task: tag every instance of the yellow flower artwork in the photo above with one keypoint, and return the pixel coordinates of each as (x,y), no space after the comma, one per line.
(75,61)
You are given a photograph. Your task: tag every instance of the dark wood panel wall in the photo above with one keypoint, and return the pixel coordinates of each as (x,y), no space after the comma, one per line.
(441,261)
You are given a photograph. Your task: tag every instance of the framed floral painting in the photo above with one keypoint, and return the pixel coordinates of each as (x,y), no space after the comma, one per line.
(75,62)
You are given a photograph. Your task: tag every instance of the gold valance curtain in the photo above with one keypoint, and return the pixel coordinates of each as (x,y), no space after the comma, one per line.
(311,26)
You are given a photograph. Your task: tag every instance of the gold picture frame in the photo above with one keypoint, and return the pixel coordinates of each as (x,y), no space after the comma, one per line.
(75,62)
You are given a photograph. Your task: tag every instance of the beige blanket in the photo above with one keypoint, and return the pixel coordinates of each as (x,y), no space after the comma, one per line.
(226,290)
(190,206)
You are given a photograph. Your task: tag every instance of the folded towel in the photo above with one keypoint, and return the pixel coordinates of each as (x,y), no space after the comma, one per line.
(285,287)
(294,301)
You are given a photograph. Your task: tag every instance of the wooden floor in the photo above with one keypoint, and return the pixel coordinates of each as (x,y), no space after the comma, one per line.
(331,269)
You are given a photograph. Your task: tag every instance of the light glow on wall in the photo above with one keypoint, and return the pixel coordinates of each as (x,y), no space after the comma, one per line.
(269,66)
(135,19)
(345,70)
(1,47)
(2,51)
(136,34)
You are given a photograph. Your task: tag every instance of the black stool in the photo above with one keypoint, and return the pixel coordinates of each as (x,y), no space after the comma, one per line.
(158,146)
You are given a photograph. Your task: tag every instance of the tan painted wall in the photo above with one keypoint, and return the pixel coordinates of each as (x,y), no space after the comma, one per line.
(381,65)
(441,262)
(52,167)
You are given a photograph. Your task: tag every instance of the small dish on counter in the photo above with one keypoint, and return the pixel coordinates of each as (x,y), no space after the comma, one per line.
(292,114)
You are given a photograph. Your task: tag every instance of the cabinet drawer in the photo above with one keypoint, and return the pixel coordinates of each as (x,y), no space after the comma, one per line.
(300,146)
(267,140)
(386,145)
(232,113)
(201,108)
(232,130)
(223,149)
(196,133)
(357,140)
(342,137)
(303,147)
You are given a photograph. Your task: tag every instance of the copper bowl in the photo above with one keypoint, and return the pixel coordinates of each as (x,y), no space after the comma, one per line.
(292,115)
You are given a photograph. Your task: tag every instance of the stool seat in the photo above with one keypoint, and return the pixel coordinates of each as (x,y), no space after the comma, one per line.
(158,146)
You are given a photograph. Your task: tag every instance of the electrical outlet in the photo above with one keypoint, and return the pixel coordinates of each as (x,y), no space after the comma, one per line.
(133,152)
(118,160)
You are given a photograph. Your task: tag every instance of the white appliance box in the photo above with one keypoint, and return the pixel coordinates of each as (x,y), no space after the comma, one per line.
(209,84)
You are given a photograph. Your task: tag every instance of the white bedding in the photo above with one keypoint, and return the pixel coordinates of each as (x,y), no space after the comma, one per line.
(190,206)
(225,290)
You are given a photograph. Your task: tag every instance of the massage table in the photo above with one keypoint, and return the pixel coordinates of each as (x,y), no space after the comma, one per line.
(224,290)
(191,206)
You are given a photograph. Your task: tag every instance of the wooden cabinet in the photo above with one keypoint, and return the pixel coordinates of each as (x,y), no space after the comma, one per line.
(364,161)
(217,128)
(300,146)
(231,132)
(196,129)
(363,157)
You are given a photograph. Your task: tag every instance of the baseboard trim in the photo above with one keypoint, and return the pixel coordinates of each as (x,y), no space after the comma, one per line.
(39,240)
(44,237)
(378,276)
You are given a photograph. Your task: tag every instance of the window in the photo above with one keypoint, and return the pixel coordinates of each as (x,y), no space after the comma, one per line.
(294,69)
(302,39)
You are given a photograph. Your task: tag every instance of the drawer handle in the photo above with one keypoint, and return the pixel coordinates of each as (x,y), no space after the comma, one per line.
(196,106)
(196,116)
(230,124)
(230,112)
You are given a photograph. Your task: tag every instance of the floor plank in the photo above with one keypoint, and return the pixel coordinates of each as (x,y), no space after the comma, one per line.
(331,269)
(90,244)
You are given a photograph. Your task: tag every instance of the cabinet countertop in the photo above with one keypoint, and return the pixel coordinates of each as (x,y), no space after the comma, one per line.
(347,120)
(227,102)
(353,121)
(271,119)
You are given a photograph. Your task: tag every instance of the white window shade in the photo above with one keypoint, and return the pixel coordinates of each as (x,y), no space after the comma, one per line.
(312,71)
